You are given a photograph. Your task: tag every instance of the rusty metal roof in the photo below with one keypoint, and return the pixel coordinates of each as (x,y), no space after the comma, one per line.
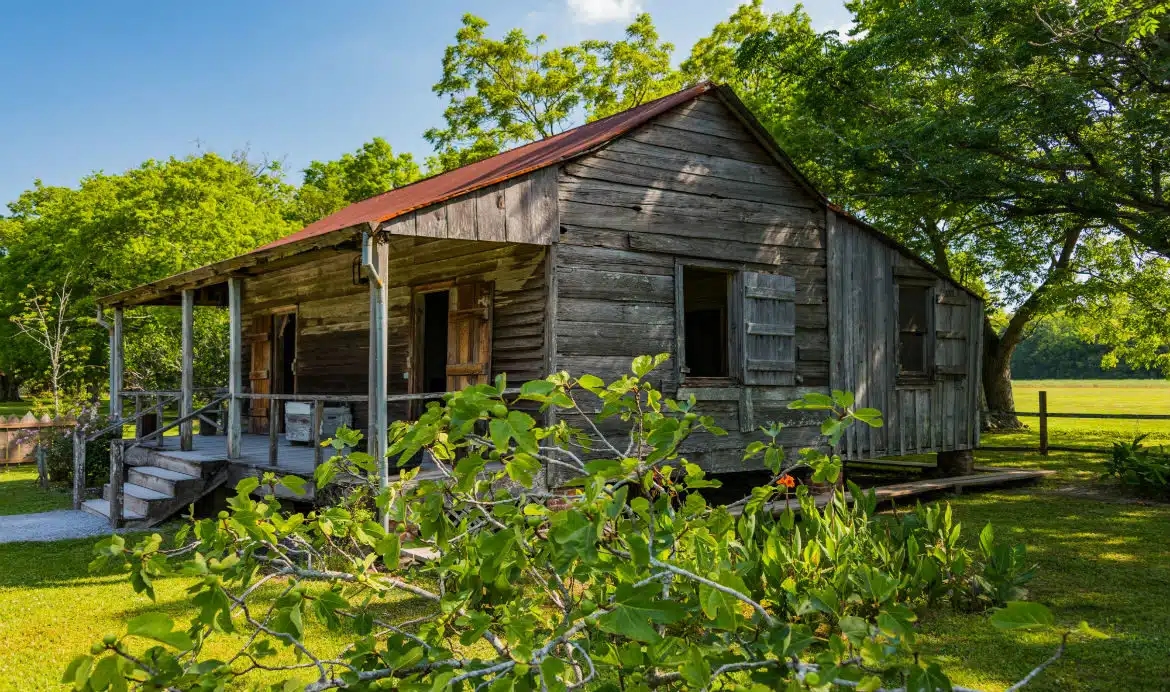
(497,169)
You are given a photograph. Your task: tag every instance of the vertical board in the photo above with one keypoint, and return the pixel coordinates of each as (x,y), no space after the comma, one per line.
(769,329)
(432,223)
(518,210)
(461,215)
(489,209)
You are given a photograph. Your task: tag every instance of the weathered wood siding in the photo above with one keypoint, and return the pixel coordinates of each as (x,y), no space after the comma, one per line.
(520,210)
(936,415)
(334,313)
(333,321)
(692,185)
(518,274)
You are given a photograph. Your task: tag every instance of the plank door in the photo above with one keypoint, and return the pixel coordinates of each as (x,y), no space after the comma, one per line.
(260,372)
(469,335)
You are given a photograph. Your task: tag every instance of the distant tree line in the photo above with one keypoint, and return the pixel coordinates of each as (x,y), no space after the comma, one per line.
(1055,351)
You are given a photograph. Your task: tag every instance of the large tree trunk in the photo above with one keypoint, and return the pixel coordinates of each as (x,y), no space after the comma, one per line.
(9,388)
(997,378)
(998,348)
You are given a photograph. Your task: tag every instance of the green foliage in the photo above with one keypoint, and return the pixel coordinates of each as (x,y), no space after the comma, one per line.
(628,577)
(113,232)
(1146,469)
(513,90)
(1057,348)
(371,170)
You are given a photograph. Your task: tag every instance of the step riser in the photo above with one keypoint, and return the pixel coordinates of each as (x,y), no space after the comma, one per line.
(137,505)
(162,485)
(145,457)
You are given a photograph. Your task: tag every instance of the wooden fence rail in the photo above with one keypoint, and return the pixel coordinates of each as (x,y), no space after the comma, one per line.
(1044,414)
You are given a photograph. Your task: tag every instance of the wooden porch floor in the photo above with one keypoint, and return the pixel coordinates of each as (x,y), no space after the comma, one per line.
(296,459)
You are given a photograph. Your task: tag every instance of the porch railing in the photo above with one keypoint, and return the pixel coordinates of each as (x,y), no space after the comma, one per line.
(119,447)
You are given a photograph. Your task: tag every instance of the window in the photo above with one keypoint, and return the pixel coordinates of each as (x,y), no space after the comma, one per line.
(735,326)
(705,320)
(914,330)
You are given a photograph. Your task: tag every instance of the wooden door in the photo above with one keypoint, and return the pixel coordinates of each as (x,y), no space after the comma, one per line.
(260,373)
(469,335)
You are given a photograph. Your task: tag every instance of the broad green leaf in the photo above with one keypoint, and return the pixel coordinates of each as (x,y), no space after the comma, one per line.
(294,483)
(1025,615)
(158,627)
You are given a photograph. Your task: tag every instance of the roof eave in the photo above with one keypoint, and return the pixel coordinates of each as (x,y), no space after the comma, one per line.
(218,272)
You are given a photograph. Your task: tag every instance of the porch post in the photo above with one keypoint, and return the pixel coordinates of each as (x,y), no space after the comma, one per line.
(375,261)
(187,394)
(235,354)
(116,364)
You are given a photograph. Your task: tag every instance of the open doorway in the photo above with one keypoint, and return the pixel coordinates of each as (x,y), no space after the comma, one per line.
(433,367)
(705,322)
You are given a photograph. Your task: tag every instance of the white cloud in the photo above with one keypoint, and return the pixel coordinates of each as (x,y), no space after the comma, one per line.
(603,11)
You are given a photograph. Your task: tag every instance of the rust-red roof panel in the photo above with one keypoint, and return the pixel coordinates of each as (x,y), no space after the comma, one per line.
(501,167)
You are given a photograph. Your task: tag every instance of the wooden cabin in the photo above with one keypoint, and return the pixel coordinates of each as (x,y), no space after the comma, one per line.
(678,226)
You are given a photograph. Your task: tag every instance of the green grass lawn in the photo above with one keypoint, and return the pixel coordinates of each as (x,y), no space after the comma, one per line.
(52,608)
(1091,396)
(20,494)
(13,408)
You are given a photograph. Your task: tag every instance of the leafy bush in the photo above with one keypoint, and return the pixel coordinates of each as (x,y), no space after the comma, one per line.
(1147,469)
(59,459)
(628,578)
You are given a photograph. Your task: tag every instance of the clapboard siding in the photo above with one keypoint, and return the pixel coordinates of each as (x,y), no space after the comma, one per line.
(520,210)
(333,313)
(939,414)
(693,185)
(333,317)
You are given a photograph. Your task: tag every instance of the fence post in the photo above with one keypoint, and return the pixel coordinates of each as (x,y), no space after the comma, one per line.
(1043,410)
(42,467)
(117,456)
(78,467)
(318,417)
(273,406)
(160,403)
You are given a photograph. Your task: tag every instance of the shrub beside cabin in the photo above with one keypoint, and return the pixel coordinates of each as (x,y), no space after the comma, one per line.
(676,227)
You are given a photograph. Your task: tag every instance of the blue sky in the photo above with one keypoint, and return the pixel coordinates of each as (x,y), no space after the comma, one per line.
(88,86)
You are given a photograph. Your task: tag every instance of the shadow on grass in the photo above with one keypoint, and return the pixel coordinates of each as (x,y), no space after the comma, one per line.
(1101,562)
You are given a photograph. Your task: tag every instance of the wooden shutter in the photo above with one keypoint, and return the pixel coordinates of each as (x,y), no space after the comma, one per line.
(768,340)
(469,335)
(951,332)
(260,372)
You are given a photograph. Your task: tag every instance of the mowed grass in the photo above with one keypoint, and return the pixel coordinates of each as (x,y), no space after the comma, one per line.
(20,493)
(13,408)
(52,609)
(1091,396)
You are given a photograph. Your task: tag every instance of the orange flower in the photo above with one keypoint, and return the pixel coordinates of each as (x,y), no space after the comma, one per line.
(786,481)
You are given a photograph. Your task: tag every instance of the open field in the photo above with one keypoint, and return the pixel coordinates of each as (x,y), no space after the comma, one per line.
(1091,396)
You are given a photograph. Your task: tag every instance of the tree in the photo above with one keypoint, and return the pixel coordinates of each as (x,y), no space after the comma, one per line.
(47,321)
(632,71)
(632,580)
(504,92)
(371,170)
(923,124)
(113,232)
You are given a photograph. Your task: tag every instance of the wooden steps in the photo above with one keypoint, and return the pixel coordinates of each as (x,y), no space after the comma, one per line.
(161,483)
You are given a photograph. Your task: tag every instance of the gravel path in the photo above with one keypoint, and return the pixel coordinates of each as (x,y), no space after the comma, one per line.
(52,526)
